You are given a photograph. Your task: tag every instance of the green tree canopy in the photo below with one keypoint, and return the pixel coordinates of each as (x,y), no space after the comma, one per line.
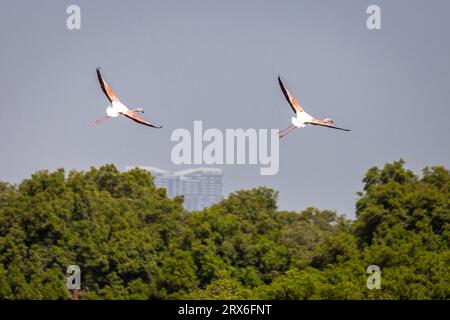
(132,241)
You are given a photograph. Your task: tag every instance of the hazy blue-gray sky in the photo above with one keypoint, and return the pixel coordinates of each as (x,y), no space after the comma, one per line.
(217,61)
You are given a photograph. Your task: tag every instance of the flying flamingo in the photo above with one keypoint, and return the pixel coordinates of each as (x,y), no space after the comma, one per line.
(117,108)
(302,118)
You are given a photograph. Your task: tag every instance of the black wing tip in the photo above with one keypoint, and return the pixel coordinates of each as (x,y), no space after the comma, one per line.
(149,125)
(279,80)
(283,88)
(286,94)
(146,123)
(343,129)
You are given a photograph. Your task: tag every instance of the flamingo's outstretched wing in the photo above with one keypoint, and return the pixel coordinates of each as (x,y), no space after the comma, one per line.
(138,119)
(106,88)
(323,123)
(296,107)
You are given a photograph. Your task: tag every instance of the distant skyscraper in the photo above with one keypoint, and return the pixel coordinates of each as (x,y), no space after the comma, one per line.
(201,187)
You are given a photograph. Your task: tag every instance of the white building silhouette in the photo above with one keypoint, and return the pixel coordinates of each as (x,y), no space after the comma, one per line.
(201,187)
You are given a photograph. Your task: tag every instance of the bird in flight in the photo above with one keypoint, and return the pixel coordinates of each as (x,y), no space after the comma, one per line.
(302,119)
(117,108)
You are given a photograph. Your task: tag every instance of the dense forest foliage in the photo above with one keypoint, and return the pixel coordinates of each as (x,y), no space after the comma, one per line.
(133,242)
